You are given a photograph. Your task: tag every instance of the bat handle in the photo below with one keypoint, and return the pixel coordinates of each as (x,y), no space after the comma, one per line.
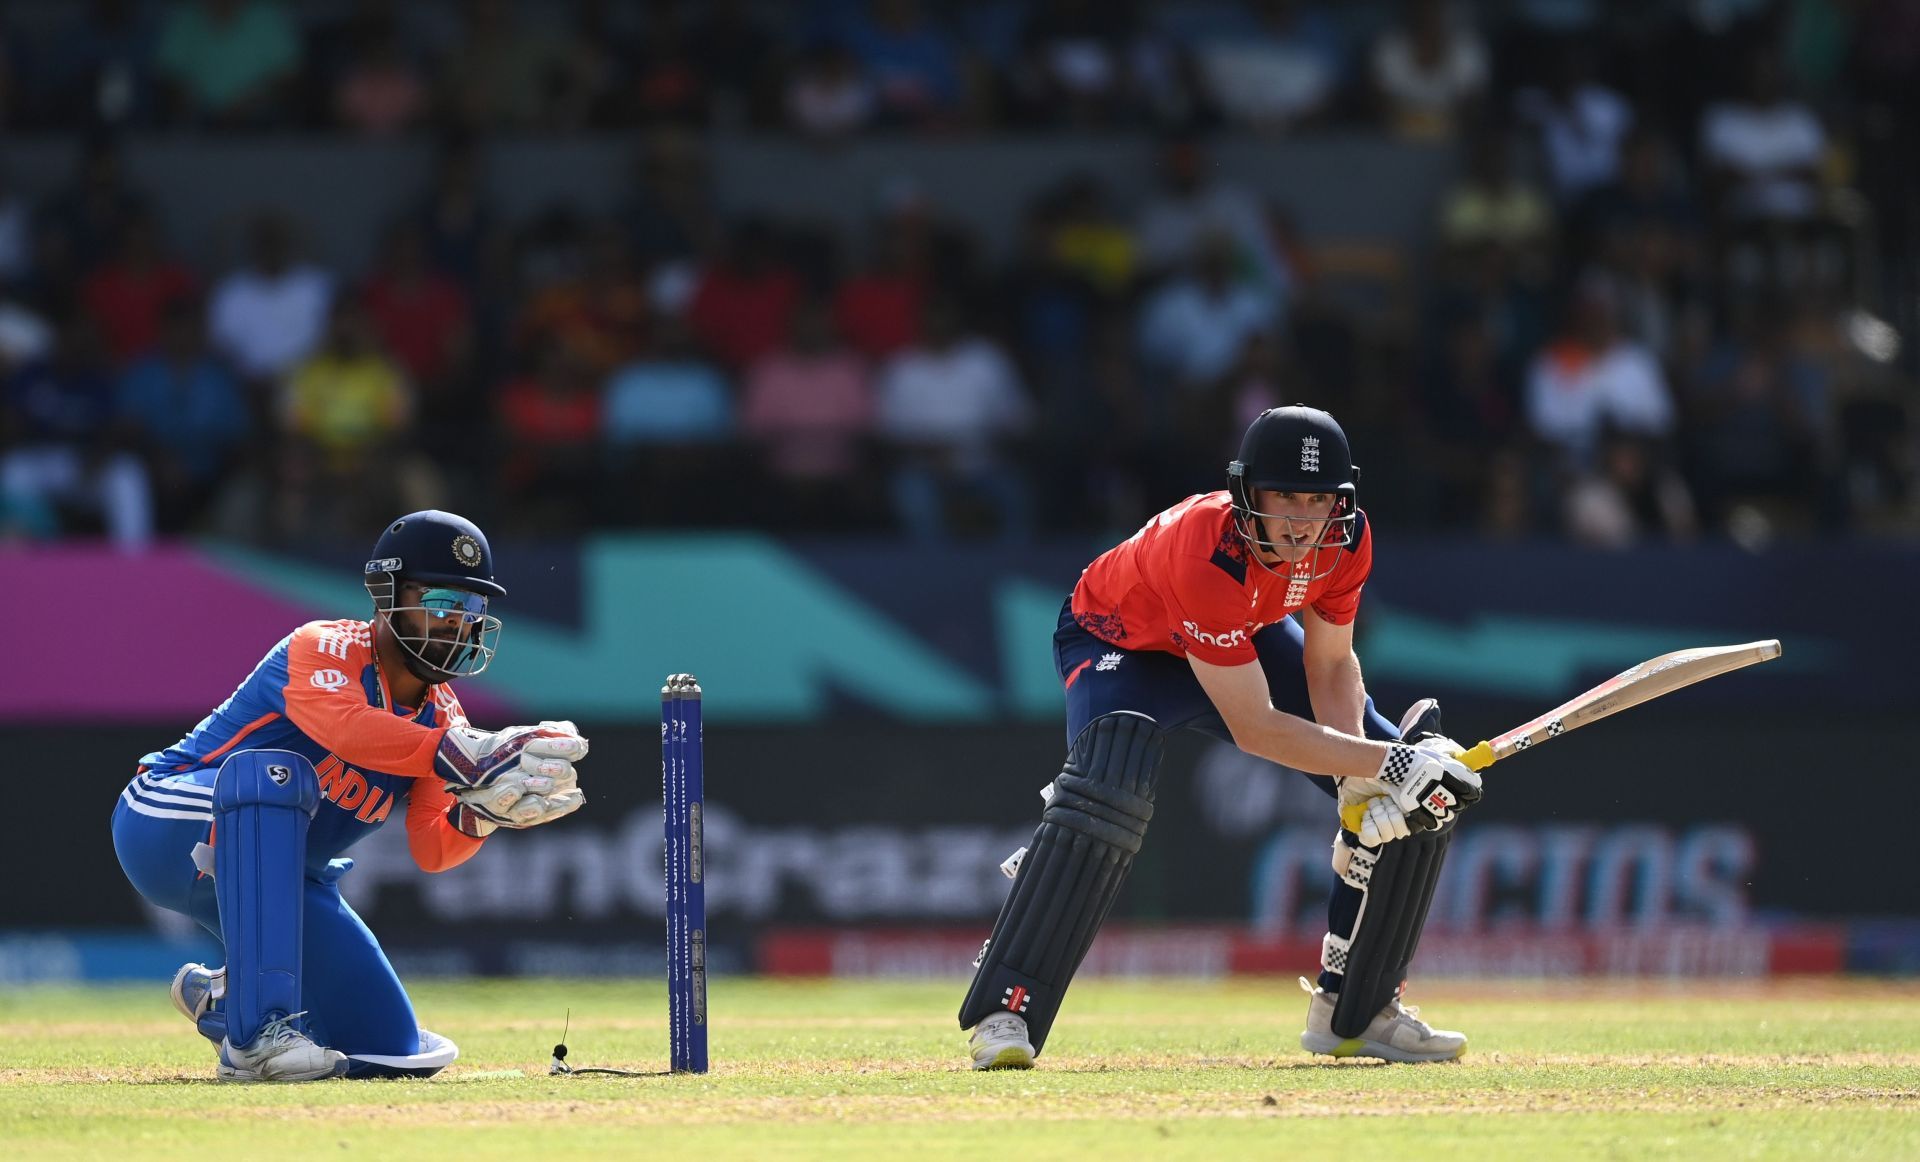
(1477,757)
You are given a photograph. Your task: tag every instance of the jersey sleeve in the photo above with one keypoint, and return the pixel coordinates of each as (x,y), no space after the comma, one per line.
(435,842)
(329,707)
(1207,613)
(1340,603)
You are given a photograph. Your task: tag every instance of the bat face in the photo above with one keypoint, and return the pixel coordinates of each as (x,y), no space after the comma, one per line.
(1648,680)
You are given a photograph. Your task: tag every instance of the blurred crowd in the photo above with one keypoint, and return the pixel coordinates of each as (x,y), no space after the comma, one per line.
(1668,293)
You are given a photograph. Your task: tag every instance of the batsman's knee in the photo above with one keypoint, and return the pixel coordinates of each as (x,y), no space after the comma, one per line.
(266,778)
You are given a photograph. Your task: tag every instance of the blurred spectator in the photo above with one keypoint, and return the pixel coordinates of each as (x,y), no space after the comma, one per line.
(664,84)
(879,307)
(950,409)
(348,399)
(1492,205)
(510,74)
(98,69)
(827,96)
(1591,377)
(127,297)
(24,336)
(664,415)
(1191,205)
(808,407)
(1192,329)
(65,466)
(455,216)
(670,215)
(1630,497)
(87,220)
(1468,404)
(271,313)
(1074,62)
(737,58)
(1429,72)
(380,92)
(550,426)
(347,410)
(420,315)
(1648,195)
(1760,415)
(228,62)
(743,304)
(670,394)
(912,62)
(16,234)
(1580,123)
(598,313)
(1763,149)
(1091,240)
(1278,71)
(187,412)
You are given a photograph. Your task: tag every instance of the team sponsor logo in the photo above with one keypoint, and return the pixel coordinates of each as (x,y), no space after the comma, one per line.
(466,550)
(1310,454)
(1225,641)
(1108,663)
(328,679)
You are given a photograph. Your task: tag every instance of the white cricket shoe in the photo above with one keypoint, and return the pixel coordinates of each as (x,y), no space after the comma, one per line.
(1000,1042)
(1396,1033)
(280,1053)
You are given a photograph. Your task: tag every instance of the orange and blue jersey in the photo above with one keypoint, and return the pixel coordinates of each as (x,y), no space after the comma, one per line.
(320,693)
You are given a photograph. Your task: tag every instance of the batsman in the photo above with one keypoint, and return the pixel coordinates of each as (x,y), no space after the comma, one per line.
(1232,613)
(242,824)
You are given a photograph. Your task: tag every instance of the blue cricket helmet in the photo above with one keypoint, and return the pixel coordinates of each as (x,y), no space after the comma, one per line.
(436,548)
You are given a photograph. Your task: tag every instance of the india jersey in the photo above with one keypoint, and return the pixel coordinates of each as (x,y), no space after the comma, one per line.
(319,693)
(1186,584)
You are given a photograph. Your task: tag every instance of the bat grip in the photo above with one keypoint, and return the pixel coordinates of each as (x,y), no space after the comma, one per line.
(1477,757)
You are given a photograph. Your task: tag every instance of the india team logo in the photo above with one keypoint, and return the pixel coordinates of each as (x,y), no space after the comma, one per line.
(466,550)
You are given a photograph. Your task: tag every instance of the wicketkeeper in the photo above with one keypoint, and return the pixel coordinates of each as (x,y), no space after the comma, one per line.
(240,824)
(1186,625)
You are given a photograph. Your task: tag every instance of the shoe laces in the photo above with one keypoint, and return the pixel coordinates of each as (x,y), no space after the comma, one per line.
(1410,1012)
(280,1029)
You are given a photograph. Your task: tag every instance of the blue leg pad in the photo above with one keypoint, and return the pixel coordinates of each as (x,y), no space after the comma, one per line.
(263,802)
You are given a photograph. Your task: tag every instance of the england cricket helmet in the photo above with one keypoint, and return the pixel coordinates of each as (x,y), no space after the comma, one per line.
(1296,449)
(448,557)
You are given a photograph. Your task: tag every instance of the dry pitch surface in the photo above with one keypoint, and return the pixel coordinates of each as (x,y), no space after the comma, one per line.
(1166,1069)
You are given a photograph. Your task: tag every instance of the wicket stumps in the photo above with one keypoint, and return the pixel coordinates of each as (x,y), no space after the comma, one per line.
(685,800)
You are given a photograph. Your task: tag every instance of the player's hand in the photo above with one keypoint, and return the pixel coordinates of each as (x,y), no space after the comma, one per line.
(471,757)
(1428,784)
(511,799)
(1383,822)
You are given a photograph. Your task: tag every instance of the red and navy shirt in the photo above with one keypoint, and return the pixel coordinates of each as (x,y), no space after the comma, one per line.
(1187,585)
(320,693)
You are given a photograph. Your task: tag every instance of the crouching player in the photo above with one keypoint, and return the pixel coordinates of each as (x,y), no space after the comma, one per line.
(1232,613)
(240,824)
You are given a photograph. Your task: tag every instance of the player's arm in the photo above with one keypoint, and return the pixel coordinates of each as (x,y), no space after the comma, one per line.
(1334,686)
(434,839)
(1240,694)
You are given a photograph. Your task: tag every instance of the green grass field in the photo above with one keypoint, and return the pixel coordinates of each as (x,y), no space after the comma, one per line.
(1166,1069)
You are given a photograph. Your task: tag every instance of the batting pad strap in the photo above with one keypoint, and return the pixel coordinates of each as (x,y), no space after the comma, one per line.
(1334,951)
(1354,865)
(1106,813)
